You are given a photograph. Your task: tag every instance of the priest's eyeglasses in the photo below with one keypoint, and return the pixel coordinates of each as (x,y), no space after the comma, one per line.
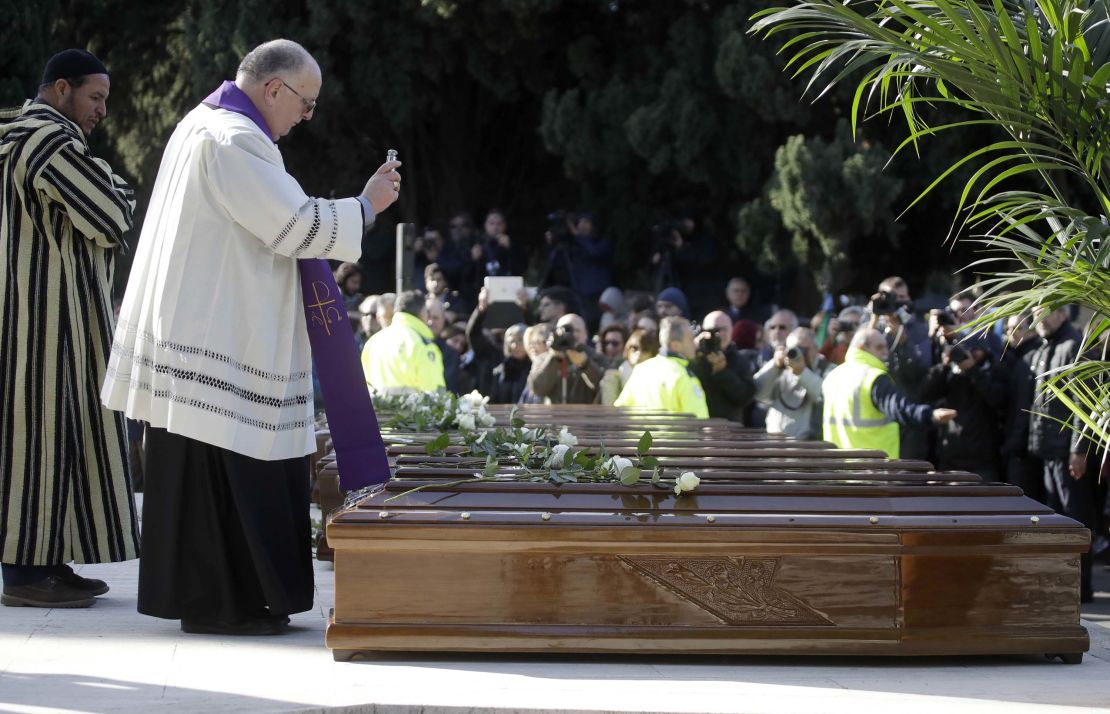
(309,104)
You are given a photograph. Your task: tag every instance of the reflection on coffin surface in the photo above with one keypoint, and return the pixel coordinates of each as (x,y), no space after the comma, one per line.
(786,554)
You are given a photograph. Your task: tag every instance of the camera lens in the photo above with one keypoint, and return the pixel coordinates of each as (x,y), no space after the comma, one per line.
(794,353)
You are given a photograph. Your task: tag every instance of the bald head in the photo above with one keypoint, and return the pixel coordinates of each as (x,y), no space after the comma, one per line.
(275,58)
(283,81)
(872,341)
(577,325)
(720,324)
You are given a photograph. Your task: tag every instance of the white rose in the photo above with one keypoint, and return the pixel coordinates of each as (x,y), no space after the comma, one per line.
(686,482)
(466,421)
(565,437)
(617,465)
(474,399)
(465,407)
(558,453)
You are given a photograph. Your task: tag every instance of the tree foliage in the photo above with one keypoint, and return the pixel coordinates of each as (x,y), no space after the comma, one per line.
(634,110)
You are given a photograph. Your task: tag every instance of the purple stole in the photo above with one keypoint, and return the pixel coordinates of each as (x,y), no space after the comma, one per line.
(359,449)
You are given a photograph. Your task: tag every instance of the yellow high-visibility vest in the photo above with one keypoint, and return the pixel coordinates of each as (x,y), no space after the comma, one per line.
(403,357)
(851,419)
(664,382)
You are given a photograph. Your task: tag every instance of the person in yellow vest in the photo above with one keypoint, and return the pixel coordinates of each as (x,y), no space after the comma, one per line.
(404,357)
(863,408)
(666,380)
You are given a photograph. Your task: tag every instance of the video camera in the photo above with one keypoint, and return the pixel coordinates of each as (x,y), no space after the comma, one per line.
(886,302)
(945,318)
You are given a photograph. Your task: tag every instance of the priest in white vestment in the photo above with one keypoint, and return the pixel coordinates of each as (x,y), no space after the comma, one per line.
(211,350)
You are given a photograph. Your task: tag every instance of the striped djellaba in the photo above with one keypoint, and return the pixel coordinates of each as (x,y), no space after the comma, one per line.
(65,489)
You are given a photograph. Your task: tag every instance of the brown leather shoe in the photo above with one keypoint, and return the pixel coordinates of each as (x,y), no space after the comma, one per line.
(51,591)
(89,586)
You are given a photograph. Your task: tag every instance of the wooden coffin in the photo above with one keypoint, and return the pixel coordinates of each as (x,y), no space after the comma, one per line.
(840,563)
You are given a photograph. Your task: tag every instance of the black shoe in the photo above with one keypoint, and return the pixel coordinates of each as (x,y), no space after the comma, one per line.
(265,614)
(51,591)
(249,626)
(90,586)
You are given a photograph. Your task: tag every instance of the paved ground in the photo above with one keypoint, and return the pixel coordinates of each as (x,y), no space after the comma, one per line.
(110,659)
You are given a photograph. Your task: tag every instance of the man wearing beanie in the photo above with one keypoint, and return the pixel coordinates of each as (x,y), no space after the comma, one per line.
(66,492)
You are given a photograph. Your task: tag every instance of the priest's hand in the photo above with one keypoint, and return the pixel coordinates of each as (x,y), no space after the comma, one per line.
(383,187)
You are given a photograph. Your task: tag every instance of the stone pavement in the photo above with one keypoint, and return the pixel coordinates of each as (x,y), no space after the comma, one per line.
(111,659)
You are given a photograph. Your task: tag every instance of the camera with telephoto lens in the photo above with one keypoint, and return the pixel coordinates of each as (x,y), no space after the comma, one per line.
(562,339)
(885,302)
(557,227)
(945,318)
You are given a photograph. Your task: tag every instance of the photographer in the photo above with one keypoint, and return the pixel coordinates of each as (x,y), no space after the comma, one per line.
(911,353)
(1015,372)
(592,261)
(725,375)
(790,385)
(1070,466)
(685,256)
(964,381)
(488,356)
(569,372)
(559,239)
(666,381)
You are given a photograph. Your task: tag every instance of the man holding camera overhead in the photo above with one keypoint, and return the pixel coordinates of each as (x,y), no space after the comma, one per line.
(569,372)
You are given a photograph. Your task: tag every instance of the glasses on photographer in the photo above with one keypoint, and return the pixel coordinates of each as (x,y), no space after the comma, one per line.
(309,104)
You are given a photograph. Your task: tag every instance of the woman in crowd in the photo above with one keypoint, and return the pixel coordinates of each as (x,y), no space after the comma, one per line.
(641,346)
(611,344)
(511,376)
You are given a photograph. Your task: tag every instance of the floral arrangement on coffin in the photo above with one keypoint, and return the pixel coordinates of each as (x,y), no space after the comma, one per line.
(516,452)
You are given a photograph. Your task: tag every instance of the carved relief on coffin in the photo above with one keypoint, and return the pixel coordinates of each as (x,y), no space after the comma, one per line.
(740,591)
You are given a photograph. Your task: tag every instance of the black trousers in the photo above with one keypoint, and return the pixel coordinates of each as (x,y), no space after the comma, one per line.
(1028,473)
(224,536)
(1074,498)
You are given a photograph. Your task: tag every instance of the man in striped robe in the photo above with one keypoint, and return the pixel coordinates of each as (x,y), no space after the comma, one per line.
(65,492)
